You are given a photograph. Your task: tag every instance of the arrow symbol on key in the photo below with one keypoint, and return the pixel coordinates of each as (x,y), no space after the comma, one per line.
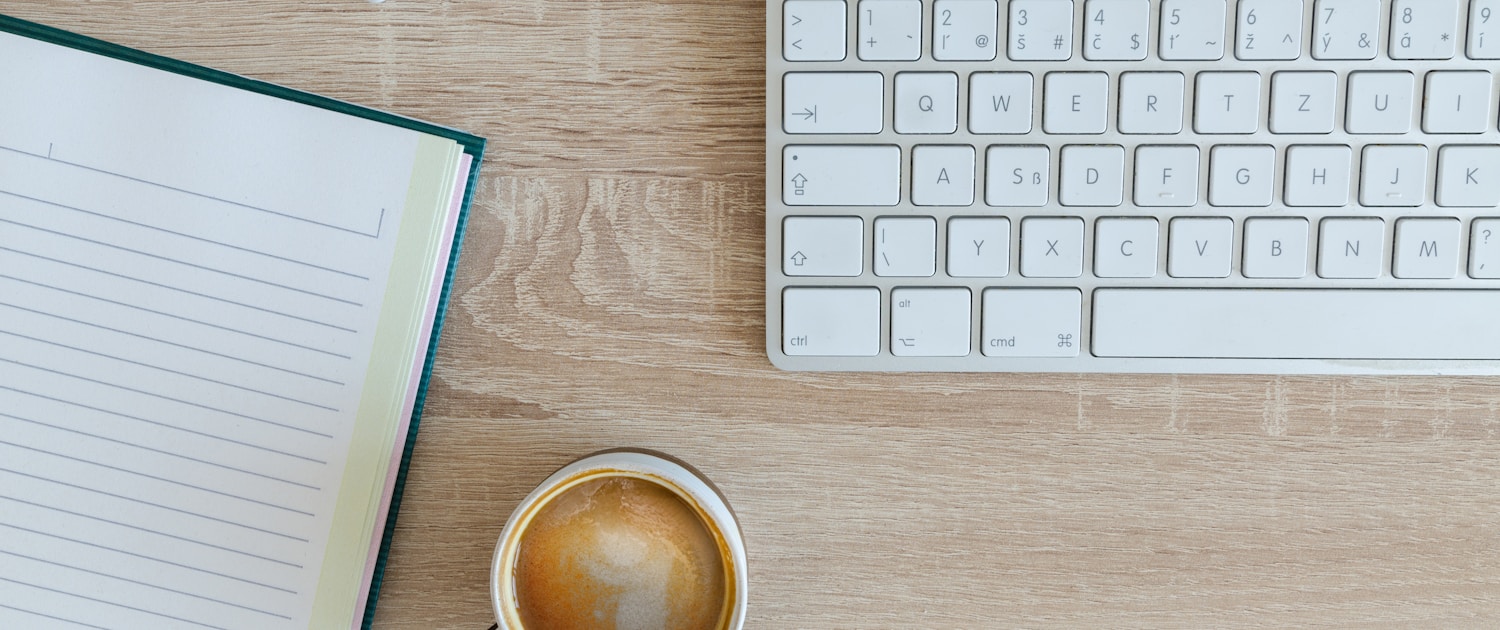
(798,180)
(1289,39)
(799,258)
(809,114)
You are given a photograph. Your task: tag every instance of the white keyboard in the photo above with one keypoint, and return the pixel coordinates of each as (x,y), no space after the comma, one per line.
(1212,186)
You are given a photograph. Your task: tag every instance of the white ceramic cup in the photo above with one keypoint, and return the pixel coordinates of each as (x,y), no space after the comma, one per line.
(690,485)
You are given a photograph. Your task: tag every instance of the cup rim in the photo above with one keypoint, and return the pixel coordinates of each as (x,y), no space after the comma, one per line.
(660,468)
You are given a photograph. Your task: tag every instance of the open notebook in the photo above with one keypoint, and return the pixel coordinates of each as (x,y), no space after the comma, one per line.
(219,301)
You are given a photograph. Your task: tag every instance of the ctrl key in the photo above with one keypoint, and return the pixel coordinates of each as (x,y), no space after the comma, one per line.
(1032,322)
(843,322)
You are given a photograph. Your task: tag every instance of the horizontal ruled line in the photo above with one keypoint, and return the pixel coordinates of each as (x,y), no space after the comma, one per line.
(159,451)
(151,531)
(146,584)
(201,239)
(246,206)
(146,557)
(180,290)
(155,505)
(171,343)
(166,398)
(176,317)
(167,370)
(164,425)
(110,603)
(182,262)
(52,617)
(157,478)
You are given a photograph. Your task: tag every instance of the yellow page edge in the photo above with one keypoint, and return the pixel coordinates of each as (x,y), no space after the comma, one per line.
(386,380)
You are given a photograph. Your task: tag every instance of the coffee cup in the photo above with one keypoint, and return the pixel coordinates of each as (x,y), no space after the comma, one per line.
(621,539)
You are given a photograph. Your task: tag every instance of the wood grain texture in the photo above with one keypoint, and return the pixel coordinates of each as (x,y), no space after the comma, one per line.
(611,294)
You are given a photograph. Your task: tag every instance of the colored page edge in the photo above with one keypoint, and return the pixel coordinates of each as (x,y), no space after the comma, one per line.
(386,381)
(377,579)
(419,371)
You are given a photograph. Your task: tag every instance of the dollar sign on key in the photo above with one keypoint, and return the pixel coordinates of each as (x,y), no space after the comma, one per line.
(1135,42)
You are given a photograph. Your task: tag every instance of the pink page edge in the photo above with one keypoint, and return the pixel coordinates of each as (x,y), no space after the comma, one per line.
(439,273)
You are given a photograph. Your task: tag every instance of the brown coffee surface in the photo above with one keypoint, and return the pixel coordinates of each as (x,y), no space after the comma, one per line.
(618,553)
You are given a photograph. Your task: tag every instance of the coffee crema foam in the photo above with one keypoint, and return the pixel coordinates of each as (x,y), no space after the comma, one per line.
(619,553)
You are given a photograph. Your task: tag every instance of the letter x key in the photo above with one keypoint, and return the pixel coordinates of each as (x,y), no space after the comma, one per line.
(1052,247)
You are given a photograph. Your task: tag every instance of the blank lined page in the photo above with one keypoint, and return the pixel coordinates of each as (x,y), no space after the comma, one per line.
(190,280)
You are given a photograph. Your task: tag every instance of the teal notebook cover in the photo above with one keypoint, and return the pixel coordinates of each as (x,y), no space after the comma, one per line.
(472,145)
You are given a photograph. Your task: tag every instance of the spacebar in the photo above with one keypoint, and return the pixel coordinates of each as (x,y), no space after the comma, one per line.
(1296,324)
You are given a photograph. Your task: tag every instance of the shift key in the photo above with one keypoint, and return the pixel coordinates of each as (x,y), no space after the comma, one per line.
(841,175)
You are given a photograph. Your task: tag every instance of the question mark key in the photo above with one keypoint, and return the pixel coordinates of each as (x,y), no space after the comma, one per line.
(1484,249)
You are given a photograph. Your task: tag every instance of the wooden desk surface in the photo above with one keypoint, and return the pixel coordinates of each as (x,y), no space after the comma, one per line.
(610,294)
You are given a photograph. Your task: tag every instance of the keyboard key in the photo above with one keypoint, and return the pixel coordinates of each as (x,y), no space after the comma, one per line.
(1151,102)
(926,102)
(1296,324)
(1424,29)
(1227,102)
(1302,102)
(1017,176)
(1192,30)
(813,30)
(1075,102)
(830,322)
(1125,248)
(833,102)
(1166,176)
(1041,30)
(979,247)
(942,175)
(1469,176)
(841,175)
(1275,248)
(1346,29)
(1200,247)
(1052,247)
(930,322)
(1000,102)
(1458,102)
(1241,175)
(1269,29)
(1427,248)
(1031,322)
(1351,248)
(1380,102)
(1484,30)
(906,247)
(1317,175)
(1484,249)
(964,30)
(1116,30)
(822,246)
(890,30)
(1393,176)
(1092,175)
